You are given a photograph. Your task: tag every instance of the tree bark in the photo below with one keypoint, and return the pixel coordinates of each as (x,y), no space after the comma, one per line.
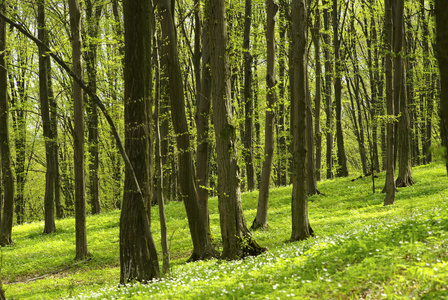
(248,152)
(237,240)
(318,95)
(202,247)
(301,228)
(6,164)
(441,10)
(404,138)
(261,219)
(390,172)
(93,15)
(342,170)
(78,135)
(46,122)
(328,101)
(138,255)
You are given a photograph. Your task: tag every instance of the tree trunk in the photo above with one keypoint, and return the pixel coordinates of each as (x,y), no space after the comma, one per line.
(138,255)
(404,139)
(202,247)
(441,10)
(248,152)
(46,122)
(390,173)
(318,96)
(6,164)
(261,219)
(328,101)
(237,240)
(92,110)
(342,170)
(78,138)
(301,228)
(311,167)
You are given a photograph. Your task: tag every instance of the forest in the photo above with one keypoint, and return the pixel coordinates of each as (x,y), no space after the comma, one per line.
(137,113)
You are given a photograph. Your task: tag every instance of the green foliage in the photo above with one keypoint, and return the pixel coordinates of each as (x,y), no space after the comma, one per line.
(362,250)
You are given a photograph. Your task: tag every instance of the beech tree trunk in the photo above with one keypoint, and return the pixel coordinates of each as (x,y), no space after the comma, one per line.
(202,247)
(46,123)
(342,170)
(404,138)
(6,164)
(318,96)
(301,228)
(390,124)
(138,255)
(328,101)
(93,15)
(78,100)
(261,219)
(248,152)
(237,240)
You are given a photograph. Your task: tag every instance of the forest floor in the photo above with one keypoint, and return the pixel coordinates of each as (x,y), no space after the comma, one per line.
(362,250)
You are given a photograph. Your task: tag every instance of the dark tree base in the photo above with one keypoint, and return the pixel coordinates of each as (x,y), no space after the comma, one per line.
(206,256)
(250,247)
(404,182)
(258,225)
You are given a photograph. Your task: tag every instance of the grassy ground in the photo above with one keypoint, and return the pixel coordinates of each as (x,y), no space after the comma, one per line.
(362,250)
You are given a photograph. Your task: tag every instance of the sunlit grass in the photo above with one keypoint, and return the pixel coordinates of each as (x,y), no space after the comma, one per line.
(361,250)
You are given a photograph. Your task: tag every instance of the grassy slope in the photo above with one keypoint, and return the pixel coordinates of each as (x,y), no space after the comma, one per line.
(362,250)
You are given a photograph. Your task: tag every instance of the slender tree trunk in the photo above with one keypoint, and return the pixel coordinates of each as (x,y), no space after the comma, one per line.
(318,96)
(311,167)
(138,255)
(93,15)
(46,122)
(202,247)
(78,100)
(248,152)
(328,101)
(404,138)
(261,219)
(390,172)
(236,237)
(6,164)
(202,127)
(301,228)
(342,170)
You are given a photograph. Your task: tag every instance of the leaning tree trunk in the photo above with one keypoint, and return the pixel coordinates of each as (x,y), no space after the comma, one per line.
(6,164)
(202,247)
(236,237)
(261,219)
(138,255)
(46,122)
(301,228)
(390,181)
(404,138)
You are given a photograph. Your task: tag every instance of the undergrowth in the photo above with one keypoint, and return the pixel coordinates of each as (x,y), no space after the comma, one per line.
(362,250)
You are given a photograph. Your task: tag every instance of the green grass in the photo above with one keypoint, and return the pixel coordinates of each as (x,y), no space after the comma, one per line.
(361,250)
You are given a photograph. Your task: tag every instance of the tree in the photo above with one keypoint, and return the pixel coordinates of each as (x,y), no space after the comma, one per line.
(46,122)
(93,19)
(342,170)
(390,174)
(248,152)
(318,95)
(6,164)
(202,247)
(327,87)
(78,134)
(301,228)
(261,219)
(400,94)
(441,10)
(236,237)
(138,256)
